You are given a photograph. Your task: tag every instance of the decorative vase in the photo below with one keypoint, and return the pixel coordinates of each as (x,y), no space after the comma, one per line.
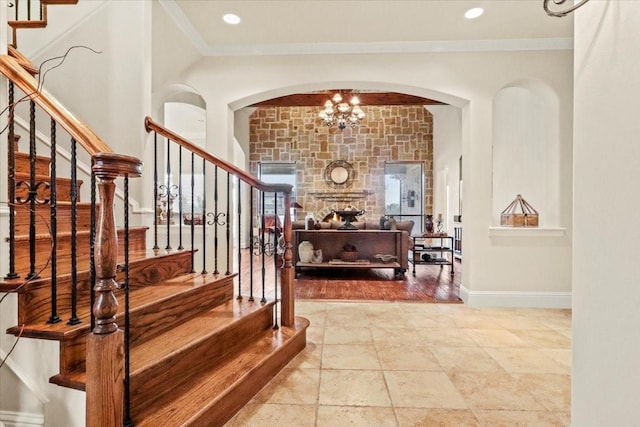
(429,224)
(317,256)
(305,251)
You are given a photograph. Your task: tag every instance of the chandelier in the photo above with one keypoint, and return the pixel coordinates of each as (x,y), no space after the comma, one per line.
(340,113)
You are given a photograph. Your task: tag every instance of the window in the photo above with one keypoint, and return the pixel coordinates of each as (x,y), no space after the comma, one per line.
(404,192)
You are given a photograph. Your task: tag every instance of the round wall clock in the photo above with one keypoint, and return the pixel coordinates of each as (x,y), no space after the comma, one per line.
(339,174)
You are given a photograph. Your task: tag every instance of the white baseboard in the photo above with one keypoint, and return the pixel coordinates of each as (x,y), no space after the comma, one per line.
(515,299)
(20,419)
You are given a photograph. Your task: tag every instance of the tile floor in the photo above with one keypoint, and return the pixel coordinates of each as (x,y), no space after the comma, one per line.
(415,364)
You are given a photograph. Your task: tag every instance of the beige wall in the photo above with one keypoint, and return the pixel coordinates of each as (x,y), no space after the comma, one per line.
(386,134)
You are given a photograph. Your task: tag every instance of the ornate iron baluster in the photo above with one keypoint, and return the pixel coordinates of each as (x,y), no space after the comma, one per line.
(263,245)
(31,198)
(168,195)
(216,216)
(11,185)
(275,259)
(53,196)
(204,215)
(74,256)
(155,191)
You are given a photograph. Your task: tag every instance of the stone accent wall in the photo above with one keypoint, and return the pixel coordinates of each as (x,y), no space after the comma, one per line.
(386,134)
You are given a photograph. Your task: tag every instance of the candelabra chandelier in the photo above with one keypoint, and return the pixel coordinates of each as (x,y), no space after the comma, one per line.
(340,113)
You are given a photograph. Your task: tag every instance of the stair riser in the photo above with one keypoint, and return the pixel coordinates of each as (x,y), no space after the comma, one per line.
(179,368)
(154,270)
(35,306)
(43,252)
(43,218)
(156,318)
(241,393)
(63,188)
(23,164)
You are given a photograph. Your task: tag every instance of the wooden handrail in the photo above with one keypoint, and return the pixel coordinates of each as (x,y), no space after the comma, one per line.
(150,125)
(78,130)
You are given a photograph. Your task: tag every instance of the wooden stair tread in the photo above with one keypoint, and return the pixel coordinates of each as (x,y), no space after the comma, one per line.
(189,333)
(25,176)
(133,229)
(76,379)
(135,257)
(139,299)
(185,403)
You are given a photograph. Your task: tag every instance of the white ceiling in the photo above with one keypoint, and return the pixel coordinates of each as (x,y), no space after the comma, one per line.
(348,26)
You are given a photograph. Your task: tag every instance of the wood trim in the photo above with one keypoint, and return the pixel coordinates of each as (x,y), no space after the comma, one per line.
(150,125)
(366,99)
(78,130)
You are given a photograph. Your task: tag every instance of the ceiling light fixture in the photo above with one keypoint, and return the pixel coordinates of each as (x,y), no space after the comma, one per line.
(231,18)
(474,13)
(340,113)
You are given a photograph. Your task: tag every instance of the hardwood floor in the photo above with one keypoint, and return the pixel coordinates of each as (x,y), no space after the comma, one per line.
(431,283)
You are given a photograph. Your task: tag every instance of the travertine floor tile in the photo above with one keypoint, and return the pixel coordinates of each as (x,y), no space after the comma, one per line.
(407,358)
(525,360)
(353,388)
(348,335)
(494,390)
(553,391)
(543,338)
(269,415)
(310,357)
(291,386)
(350,357)
(445,337)
(407,336)
(518,419)
(423,389)
(419,417)
(495,338)
(465,359)
(354,416)
(561,356)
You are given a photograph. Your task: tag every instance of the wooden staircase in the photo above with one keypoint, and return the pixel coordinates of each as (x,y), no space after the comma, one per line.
(198,354)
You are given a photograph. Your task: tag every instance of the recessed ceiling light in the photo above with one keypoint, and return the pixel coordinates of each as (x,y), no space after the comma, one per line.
(474,13)
(231,18)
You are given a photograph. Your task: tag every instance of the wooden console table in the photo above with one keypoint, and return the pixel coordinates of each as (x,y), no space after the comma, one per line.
(368,243)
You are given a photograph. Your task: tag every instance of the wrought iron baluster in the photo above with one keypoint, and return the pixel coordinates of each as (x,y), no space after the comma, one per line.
(193,218)
(31,198)
(168,195)
(53,196)
(127,349)
(275,259)
(263,247)
(180,247)
(74,231)
(215,225)
(228,272)
(155,191)
(239,219)
(204,216)
(251,243)
(11,185)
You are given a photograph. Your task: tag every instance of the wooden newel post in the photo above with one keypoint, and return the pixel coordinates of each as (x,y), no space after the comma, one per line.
(105,344)
(287,310)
